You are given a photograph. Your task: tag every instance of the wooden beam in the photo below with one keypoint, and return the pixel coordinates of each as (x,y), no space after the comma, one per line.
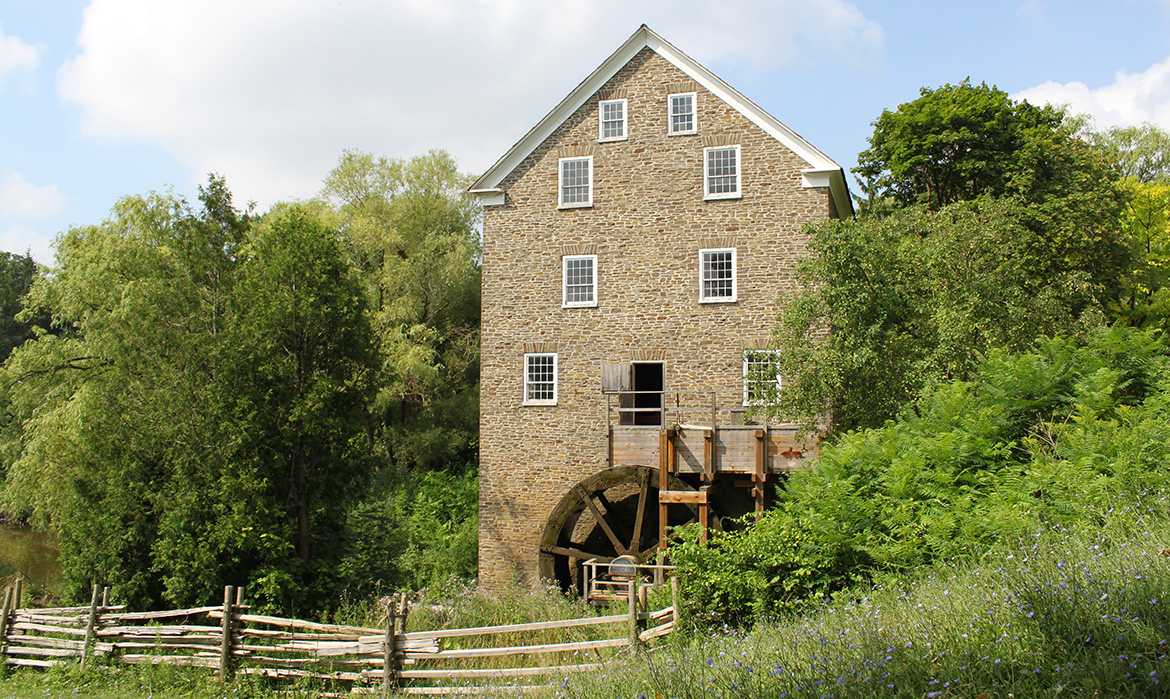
(575,553)
(613,538)
(639,518)
(683,497)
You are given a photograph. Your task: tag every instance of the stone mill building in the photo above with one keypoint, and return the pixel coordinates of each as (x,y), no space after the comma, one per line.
(635,244)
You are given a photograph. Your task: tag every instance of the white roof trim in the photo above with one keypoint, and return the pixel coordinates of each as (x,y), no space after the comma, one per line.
(644,37)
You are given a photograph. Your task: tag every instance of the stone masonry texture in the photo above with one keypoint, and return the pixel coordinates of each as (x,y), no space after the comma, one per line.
(646,226)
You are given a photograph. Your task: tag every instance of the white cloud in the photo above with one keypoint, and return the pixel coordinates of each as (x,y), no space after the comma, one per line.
(269,92)
(15,55)
(1132,98)
(21,199)
(19,240)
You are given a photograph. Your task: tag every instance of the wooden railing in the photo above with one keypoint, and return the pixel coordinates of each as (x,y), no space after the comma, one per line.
(231,641)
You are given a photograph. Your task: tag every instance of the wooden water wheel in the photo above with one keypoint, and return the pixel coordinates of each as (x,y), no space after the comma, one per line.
(612,513)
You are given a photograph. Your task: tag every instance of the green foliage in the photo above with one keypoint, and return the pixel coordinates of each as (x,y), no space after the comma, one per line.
(1056,613)
(17,273)
(1145,297)
(1048,436)
(915,297)
(953,143)
(418,531)
(409,227)
(1141,152)
(199,420)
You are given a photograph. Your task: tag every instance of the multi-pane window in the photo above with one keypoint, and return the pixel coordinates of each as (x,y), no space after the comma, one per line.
(721,173)
(761,377)
(576,182)
(579,274)
(681,113)
(717,275)
(612,114)
(540,379)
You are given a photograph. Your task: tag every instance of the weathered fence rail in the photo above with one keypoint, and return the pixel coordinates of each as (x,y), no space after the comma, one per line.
(386,660)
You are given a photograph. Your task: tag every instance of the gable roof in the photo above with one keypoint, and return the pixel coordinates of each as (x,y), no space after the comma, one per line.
(822,171)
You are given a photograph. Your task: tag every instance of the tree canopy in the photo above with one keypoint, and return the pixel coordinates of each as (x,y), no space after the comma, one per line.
(989,223)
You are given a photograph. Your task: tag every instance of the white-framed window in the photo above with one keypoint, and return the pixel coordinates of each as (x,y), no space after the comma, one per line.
(611,115)
(575,182)
(721,172)
(680,118)
(579,281)
(761,377)
(540,378)
(716,275)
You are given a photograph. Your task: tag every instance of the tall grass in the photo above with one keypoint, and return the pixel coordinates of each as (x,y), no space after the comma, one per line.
(1060,614)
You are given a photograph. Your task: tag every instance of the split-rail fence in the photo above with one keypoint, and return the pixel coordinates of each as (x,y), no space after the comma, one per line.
(229,640)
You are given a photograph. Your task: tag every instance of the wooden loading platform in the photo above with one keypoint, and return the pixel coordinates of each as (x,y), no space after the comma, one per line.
(716,447)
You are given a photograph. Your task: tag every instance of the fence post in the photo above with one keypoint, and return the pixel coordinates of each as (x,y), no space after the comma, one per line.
(93,607)
(225,650)
(105,596)
(396,610)
(4,622)
(632,621)
(674,598)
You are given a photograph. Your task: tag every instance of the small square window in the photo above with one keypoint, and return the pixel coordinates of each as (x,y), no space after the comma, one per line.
(681,114)
(540,379)
(611,115)
(717,275)
(575,182)
(579,281)
(721,173)
(761,377)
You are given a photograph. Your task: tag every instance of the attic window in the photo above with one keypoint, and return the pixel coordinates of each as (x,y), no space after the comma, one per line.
(575,182)
(681,117)
(612,117)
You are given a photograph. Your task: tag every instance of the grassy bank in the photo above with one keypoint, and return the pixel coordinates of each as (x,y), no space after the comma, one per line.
(1061,614)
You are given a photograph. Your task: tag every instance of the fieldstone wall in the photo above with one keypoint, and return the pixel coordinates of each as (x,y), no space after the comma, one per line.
(646,226)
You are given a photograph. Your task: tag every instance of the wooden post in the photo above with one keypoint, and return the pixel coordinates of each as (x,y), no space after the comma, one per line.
(4,622)
(225,648)
(643,607)
(240,596)
(19,592)
(674,598)
(93,608)
(632,620)
(389,668)
(704,514)
(105,597)
(761,475)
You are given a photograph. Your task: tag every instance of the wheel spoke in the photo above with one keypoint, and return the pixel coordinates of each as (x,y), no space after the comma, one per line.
(636,539)
(573,552)
(613,538)
(611,515)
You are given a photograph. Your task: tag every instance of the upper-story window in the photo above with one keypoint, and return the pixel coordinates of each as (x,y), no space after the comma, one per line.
(681,117)
(761,377)
(579,281)
(540,378)
(717,275)
(613,122)
(575,183)
(721,172)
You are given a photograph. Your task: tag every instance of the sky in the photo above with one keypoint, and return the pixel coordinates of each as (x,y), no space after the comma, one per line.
(101,99)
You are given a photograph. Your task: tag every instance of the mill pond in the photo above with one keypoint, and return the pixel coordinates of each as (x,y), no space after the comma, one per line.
(31,553)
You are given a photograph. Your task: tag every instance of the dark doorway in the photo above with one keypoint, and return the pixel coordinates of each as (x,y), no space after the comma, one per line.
(649,383)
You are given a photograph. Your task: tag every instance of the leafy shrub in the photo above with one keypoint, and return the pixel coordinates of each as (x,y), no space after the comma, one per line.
(1053,436)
